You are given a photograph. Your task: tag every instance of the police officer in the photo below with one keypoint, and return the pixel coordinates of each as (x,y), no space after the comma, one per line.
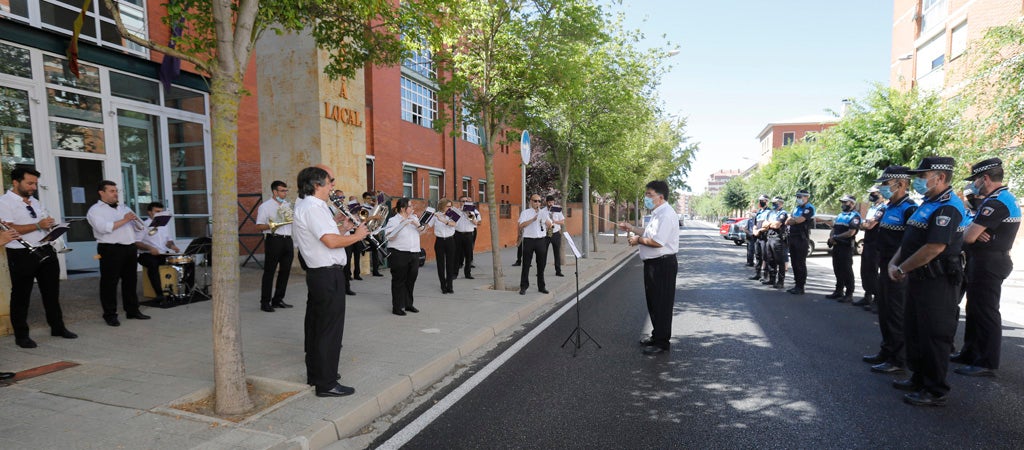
(749,230)
(800,225)
(869,265)
(891,295)
(760,238)
(929,257)
(776,244)
(842,239)
(988,240)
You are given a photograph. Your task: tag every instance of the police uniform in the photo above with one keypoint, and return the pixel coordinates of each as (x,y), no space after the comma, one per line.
(760,240)
(869,262)
(751,241)
(842,252)
(891,295)
(932,288)
(988,265)
(776,244)
(799,242)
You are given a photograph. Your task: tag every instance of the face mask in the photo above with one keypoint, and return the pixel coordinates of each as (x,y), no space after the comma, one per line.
(847,208)
(873,197)
(977,189)
(762,203)
(776,206)
(648,203)
(279,200)
(885,191)
(801,201)
(920,185)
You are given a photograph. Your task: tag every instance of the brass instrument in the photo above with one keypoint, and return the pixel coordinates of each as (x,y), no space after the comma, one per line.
(359,219)
(31,248)
(285,216)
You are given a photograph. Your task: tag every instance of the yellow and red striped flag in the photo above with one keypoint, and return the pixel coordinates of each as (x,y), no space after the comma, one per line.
(72,52)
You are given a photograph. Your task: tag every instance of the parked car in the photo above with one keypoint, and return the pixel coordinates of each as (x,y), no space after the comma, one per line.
(738,232)
(821,231)
(723,229)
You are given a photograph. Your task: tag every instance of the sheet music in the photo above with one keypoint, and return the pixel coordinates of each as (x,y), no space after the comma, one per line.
(572,244)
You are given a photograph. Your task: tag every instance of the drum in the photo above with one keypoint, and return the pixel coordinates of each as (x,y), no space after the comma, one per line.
(180,260)
(184,278)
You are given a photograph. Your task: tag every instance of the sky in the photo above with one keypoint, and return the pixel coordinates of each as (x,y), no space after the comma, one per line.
(743,64)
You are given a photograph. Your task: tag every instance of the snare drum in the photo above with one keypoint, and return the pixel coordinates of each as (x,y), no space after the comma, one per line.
(180,260)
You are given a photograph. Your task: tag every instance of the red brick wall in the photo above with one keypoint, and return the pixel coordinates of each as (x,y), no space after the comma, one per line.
(801,130)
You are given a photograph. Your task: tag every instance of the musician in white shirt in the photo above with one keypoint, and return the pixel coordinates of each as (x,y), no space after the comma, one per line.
(557,221)
(444,245)
(154,248)
(114,226)
(278,249)
(403,235)
(465,236)
(534,222)
(322,245)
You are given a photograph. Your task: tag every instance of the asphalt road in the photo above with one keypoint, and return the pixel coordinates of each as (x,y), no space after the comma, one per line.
(750,367)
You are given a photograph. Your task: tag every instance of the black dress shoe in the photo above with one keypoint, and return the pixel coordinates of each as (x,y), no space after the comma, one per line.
(64,334)
(877,358)
(470,277)
(975,371)
(861,302)
(350,292)
(337,391)
(795,291)
(112,321)
(377,274)
(559,274)
(960,358)
(750,264)
(767,281)
(397,312)
(924,398)
(516,264)
(847,299)
(834,295)
(357,277)
(412,309)
(755,277)
(654,350)
(522,292)
(647,341)
(281,304)
(26,343)
(542,291)
(266,308)
(906,385)
(778,285)
(6,375)
(886,367)
(138,316)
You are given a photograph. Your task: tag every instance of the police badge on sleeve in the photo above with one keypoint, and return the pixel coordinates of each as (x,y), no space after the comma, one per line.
(987,211)
(942,220)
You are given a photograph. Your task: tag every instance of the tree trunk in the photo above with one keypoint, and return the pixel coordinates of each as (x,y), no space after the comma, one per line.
(593,231)
(615,229)
(497,273)
(228,363)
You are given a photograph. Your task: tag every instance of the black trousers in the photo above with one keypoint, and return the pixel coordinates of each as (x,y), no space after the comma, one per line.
(324,325)
(929,327)
(464,249)
(405,267)
(278,254)
(26,268)
(519,252)
(447,266)
(152,264)
(892,299)
(751,244)
(776,258)
(983,334)
(117,263)
(759,259)
(357,256)
(798,257)
(556,247)
(869,268)
(531,247)
(660,292)
(842,266)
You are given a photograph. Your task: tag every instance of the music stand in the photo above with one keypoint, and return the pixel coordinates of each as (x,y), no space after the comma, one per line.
(576,336)
(202,245)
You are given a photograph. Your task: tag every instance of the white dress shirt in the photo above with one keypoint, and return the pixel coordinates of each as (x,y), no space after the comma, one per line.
(555,228)
(157,240)
(102,216)
(443,225)
(407,238)
(313,219)
(663,229)
(538,227)
(13,209)
(268,212)
(465,223)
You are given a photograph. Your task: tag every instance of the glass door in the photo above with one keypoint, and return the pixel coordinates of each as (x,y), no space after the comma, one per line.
(78,179)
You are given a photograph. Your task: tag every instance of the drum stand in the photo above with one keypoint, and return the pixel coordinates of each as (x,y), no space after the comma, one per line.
(201,273)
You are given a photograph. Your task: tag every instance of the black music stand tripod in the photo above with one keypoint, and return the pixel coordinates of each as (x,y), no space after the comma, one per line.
(578,333)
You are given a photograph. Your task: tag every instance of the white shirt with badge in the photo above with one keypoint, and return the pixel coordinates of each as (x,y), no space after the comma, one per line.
(102,216)
(13,209)
(403,238)
(663,229)
(313,219)
(268,212)
(537,228)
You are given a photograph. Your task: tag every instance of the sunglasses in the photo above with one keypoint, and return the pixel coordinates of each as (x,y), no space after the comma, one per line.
(535,200)
(31,211)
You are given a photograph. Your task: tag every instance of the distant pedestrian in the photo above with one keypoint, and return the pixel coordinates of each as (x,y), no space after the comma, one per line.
(659,243)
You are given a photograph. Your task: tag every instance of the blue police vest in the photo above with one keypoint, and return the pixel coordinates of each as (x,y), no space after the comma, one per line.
(893,218)
(773,216)
(924,212)
(1004,235)
(842,223)
(803,229)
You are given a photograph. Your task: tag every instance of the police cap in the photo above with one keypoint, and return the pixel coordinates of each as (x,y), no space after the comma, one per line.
(934,163)
(894,173)
(980,168)
(803,193)
(848,198)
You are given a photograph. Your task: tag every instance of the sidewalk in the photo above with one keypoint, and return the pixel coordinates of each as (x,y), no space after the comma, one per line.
(117,394)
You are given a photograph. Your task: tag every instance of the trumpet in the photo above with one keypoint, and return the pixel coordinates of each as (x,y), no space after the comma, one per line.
(275,225)
(31,248)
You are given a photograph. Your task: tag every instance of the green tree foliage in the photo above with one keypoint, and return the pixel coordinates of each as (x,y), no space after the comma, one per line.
(735,195)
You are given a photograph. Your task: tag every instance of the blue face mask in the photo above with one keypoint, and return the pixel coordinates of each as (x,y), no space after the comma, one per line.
(920,185)
(648,203)
(801,201)
(886,192)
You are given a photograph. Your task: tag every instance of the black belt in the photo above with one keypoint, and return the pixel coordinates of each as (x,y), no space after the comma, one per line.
(545,237)
(278,236)
(100,244)
(333,266)
(443,238)
(403,251)
(657,258)
(464,232)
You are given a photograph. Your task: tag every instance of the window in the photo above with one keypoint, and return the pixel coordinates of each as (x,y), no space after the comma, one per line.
(505,211)
(16,149)
(421,62)
(933,14)
(419,103)
(958,41)
(435,188)
(470,131)
(788,138)
(930,58)
(408,183)
(466,183)
(188,178)
(98,26)
(482,192)
(369,174)
(15,61)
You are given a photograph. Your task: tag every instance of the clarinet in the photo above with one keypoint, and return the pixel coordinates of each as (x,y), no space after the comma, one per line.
(31,248)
